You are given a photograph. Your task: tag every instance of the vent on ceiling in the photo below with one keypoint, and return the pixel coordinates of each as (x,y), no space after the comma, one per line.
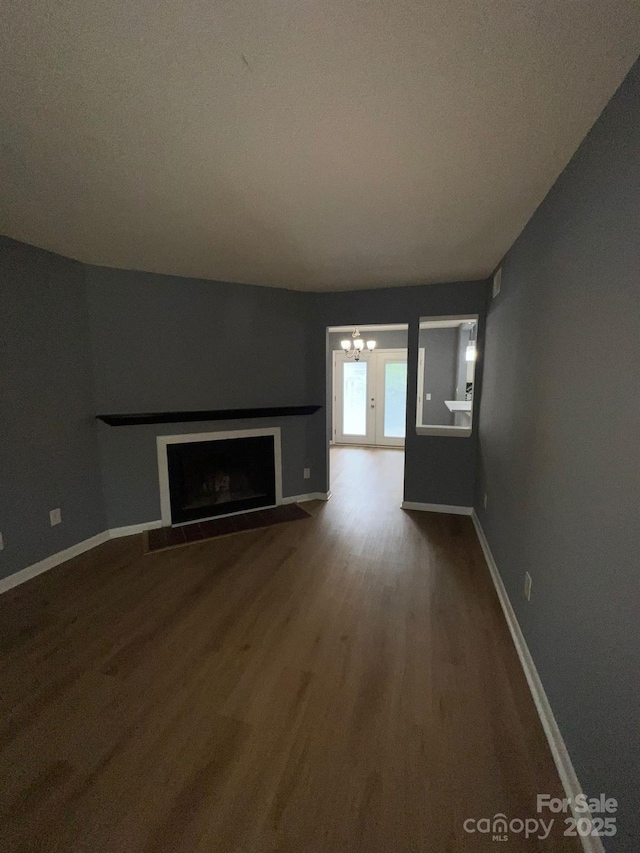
(497,281)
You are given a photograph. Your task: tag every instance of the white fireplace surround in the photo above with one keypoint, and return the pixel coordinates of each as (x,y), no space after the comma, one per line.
(163,469)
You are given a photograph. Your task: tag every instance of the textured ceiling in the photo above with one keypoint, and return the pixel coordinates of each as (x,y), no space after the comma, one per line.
(313,145)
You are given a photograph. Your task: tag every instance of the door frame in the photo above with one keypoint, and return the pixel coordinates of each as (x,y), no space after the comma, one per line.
(420,392)
(371,414)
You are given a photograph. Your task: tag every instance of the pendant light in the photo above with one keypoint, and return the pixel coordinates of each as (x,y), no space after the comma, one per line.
(354,347)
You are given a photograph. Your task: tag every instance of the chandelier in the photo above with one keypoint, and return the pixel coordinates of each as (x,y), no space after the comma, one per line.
(358,348)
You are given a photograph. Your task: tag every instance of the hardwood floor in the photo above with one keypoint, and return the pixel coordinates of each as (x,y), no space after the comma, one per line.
(342,683)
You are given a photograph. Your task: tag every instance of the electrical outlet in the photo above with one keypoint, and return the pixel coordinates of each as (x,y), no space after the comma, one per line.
(484,501)
(55,517)
(527,586)
(428,396)
(1,542)
(307,473)
(497,282)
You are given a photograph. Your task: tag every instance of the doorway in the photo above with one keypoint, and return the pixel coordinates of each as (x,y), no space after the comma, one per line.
(367,392)
(370,398)
(367,406)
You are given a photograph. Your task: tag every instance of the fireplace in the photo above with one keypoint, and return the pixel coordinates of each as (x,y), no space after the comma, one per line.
(213,474)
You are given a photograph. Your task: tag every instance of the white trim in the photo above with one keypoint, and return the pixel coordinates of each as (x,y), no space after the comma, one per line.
(559,751)
(311,496)
(183,438)
(420,391)
(51,562)
(132,529)
(400,447)
(385,327)
(387,350)
(447,321)
(449,431)
(451,509)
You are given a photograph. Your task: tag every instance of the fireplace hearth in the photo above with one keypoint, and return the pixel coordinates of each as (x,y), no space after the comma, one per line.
(219,476)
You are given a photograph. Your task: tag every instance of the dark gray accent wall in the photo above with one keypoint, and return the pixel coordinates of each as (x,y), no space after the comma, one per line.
(438,469)
(165,343)
(440,364)
(560,451)
(48,446)
(162,342)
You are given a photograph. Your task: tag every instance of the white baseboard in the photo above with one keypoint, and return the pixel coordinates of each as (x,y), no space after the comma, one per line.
(51,562)
(311,496)
(450,509)
(132,529)
(74,551)
(559,751)
(114,533)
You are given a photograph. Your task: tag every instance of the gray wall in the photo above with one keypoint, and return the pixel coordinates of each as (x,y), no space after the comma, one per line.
(164,343)
(48,446)
(440,364)
(438,469)
(560,451)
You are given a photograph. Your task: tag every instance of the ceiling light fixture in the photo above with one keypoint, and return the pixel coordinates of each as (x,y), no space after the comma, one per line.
(358,347)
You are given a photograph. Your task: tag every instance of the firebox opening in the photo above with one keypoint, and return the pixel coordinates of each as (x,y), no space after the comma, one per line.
(211,478)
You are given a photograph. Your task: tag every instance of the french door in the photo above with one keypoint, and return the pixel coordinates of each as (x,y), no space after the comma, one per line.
(370,398)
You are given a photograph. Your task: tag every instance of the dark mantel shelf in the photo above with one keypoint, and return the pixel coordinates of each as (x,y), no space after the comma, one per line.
(206,415)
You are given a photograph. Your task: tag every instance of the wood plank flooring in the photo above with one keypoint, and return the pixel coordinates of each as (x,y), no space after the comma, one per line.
(342,683)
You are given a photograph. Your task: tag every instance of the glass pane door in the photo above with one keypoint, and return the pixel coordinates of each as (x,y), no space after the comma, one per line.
(391,397)
(353,413)
(395,399)
(354,395)
(370,398)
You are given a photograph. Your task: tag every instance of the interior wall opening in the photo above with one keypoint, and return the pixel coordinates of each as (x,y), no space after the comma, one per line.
(367,399)
(447,352)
